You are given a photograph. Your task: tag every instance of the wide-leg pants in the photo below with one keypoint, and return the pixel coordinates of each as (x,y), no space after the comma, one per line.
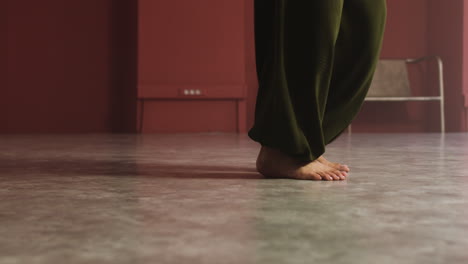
(315,63)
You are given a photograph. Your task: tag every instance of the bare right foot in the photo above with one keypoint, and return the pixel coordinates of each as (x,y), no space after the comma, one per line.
(274,163)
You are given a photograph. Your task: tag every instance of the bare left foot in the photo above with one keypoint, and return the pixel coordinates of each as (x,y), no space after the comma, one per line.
(335,165)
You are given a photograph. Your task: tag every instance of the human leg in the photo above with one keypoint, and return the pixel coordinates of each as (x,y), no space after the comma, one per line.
(357,52)
(295,51)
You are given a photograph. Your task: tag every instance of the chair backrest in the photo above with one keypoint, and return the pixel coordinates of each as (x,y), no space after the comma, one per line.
(390,79)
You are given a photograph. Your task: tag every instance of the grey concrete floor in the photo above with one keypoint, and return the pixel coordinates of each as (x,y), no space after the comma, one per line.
(196,198)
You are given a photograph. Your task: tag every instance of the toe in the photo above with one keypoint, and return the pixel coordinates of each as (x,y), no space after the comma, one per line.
(314,176)
(337,172)
(332,175)
(335,176)
(326,177)
(342,177)
(345,168)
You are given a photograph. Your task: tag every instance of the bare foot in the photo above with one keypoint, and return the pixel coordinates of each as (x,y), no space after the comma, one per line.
(273,163)
(335,165)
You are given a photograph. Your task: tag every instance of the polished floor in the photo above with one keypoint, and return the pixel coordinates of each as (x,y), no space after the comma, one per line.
(196,198)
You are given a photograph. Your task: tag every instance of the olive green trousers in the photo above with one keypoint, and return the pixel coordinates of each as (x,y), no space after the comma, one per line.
(315,63)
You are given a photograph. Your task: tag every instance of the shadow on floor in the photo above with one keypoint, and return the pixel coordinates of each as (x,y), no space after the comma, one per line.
(122,168)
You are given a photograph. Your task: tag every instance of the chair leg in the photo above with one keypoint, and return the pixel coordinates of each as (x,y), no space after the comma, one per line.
(442,116)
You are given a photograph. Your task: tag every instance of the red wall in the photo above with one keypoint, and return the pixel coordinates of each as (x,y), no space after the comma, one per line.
(71,66)
(62,72)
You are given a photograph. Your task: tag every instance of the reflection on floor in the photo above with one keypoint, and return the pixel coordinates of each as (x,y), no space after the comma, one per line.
(196,198)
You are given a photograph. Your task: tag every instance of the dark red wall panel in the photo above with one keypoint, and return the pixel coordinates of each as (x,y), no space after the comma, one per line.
(406,30)
(57,66)
(191,42)
(123,65)
(190,115)
(62,66)
(3,63)
(187,45)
